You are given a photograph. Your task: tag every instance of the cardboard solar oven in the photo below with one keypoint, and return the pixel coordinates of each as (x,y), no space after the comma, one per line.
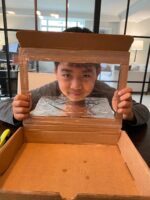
(70,157)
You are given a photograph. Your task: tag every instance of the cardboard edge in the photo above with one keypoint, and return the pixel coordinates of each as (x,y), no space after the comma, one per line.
(14,195)
(108,197)
(137,166)
(9,150)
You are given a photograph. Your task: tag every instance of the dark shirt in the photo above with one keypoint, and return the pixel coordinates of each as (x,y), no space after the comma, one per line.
(52,89)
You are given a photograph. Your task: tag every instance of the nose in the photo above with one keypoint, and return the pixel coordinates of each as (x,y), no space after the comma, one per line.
(76,84)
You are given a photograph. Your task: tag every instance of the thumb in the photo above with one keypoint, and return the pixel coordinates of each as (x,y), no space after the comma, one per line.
(30,99)
(115,101)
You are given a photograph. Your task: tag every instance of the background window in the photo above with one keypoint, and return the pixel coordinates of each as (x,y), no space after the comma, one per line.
(49,13)
(81,12)
(59,25)
(139,18)
(110,19)
(1,16)
(20,14)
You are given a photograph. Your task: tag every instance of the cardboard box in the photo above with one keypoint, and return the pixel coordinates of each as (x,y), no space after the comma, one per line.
(72,158)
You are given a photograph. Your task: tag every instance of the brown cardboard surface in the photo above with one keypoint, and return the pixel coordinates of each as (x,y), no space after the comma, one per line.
(69,160)
(73,47)
(109,197)
(9,150)
(13,195)
(72,169)
(69,169)
(72,130)
(135,163)
(77,41)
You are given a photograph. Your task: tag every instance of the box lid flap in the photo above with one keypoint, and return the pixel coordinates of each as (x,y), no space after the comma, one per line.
(74,41)
(73,47)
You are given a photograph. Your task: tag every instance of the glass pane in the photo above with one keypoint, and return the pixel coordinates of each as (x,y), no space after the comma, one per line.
(3,65)
(1,16)
(81,13)
(138,57)
(48,67)
(146,100)
(55,29)
(13,50)
(13,42)
(52,15)
(146,97)
(20,14)
(111,20)
(2,40)
(139,50)
(3,83)
(43,22)
(109,74)
(136,97)
(139,18)
(44,28)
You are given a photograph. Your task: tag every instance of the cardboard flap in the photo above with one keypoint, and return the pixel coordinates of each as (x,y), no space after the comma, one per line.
(74,41)
(8,151)
(73,47)
(72,130)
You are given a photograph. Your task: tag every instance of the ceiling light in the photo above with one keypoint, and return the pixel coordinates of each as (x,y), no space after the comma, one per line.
(54,15)
(38,12)
(11,12)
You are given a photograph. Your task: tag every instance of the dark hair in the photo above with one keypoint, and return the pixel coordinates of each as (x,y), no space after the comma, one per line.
(77,30)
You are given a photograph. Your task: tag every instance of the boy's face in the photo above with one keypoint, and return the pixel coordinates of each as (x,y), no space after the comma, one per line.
(76,81)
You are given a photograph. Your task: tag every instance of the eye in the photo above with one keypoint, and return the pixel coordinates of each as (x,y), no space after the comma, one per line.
(86,75)
(66,75)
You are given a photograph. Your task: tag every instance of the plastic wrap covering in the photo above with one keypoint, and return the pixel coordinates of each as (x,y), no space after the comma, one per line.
(61,106)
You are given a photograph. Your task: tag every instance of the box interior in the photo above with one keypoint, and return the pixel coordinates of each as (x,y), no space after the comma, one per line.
(73,156)
(70,167)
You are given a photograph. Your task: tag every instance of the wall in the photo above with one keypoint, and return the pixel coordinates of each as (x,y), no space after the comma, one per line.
(139,29)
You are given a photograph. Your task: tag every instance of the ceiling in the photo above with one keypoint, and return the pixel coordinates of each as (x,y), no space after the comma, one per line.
(139,9)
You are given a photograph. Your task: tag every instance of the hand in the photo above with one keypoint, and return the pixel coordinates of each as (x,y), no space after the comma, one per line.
(122,103)
(21,106)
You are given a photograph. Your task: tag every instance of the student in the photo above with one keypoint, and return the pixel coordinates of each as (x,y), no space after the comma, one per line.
(76,81)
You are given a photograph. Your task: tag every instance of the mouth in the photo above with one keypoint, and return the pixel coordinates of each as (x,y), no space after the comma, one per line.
(77,94)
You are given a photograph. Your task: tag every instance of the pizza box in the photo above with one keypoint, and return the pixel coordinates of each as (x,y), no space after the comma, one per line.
(71,157)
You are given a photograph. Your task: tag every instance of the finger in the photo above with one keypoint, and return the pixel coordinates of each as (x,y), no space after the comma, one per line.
(115,100)
(21,117)
(20,110)
(126,97)
(125,104)
(125,111)
(22,97)
(21,104)
(115,96)
(124,91)
(30,100)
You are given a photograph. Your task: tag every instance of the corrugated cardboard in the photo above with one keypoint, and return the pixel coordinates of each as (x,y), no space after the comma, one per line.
(72,158)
